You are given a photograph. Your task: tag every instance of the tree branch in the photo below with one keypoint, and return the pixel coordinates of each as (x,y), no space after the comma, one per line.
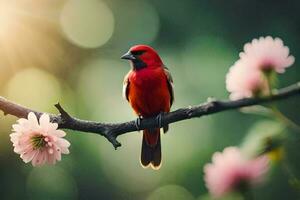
(112,130)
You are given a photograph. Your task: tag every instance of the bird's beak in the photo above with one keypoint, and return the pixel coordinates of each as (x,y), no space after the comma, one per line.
(128,56)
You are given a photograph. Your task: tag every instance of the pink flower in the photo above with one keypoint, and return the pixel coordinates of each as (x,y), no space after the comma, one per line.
(246,78)
(39,142)
(244,82)
(230,170)
(267,54)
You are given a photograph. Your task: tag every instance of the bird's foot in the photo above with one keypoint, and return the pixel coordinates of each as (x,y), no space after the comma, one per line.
(159,119)
(138,123)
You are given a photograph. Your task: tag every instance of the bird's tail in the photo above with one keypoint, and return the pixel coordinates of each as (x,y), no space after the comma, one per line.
(151,149)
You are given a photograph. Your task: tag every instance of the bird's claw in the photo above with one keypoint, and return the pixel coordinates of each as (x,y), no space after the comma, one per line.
(159,119)
(138,123)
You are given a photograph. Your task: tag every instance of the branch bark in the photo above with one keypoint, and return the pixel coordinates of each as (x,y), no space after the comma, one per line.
(112,130)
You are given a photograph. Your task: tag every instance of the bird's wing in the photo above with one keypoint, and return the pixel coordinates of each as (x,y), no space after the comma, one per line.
(170,84)
(126,87)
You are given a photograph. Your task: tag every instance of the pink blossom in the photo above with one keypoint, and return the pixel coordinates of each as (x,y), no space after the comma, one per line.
(267,54)
(230,170)
(38,141)
(243,81)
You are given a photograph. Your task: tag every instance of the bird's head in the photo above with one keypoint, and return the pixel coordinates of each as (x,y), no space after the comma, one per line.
(142,56)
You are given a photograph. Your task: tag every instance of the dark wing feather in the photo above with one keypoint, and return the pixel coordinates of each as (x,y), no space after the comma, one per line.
(170,84)
(171,91)
(126,87)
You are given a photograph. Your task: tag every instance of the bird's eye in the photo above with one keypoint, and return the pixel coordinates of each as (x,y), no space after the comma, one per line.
(138,53)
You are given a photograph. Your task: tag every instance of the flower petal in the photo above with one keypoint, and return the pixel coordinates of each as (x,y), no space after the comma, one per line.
(44,120)
(229,168)
(32,118)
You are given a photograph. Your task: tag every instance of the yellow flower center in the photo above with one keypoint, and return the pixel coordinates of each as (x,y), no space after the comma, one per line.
(38,141)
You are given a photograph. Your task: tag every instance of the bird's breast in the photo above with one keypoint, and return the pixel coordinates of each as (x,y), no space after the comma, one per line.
(148,92)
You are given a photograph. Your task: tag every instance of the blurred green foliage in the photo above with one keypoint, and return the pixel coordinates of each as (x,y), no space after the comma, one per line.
(68,51)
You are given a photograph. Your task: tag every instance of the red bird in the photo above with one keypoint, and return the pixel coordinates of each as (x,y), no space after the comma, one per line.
(148,87)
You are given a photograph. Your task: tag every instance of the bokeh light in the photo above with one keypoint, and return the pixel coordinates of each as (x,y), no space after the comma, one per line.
(102,92)
(89,24)
(34,88)
(31,39)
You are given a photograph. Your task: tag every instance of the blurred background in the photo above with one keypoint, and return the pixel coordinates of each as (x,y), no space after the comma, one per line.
(68,51)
